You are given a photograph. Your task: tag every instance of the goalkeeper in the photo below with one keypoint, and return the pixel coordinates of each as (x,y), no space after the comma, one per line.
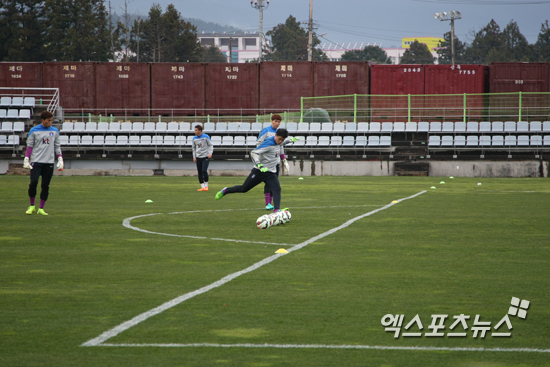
(264,134)
(43,146)
(265,157)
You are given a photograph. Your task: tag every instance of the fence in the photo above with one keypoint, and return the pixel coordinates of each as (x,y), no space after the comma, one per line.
(521,106)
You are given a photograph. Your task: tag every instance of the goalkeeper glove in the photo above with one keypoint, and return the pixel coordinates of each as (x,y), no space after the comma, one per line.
(26,163)
(293,139)
(60,164)
(261,167)
(286,166)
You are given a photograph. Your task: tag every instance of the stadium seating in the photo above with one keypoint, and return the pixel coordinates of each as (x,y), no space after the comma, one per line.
(435,127)
(5,102)
(374,127)
(373,141)
(13,140)
(460,141)
(411,127)
(362,127)
(446,141)
(398,127)
(351,127)
(472,127)
(361,141)
(348,141)
(7,126)
(335,141)
(434,141)
(472,141)
(447,127)
(311,141)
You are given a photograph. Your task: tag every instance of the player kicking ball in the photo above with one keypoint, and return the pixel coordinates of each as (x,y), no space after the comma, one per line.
(265,157)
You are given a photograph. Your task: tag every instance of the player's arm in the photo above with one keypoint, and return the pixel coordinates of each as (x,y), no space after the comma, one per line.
(193,149)
(58,153)
(210,147)
(261,137)
(28,152)
(256,156)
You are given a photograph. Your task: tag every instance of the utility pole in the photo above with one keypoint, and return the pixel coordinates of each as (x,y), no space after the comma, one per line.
(260,5)
(452,15)
(310,38)
(230,57)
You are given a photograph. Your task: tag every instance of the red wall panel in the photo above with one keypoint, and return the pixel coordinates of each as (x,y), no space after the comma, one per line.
(178,88)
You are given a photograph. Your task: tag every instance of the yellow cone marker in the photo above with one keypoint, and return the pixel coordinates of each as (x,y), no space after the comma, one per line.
(442,182)
(395,201)
(281,251)
(148,201)
(433,187)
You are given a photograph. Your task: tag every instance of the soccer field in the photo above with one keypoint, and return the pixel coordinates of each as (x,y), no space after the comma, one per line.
(110,280)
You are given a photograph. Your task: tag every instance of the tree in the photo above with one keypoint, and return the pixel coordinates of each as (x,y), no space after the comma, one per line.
(542,46)
(77,30)
(444,54)
(486,45)
(417,53)
(369,53)
(290,41)
(22,30)
(515,45)
(212,54)
(165,37)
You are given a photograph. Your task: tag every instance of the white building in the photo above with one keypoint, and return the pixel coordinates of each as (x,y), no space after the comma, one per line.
(244,47)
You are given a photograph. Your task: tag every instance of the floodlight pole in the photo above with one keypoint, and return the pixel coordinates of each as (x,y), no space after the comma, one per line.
(453,41)
(452,15)
(260,5)
(310,38)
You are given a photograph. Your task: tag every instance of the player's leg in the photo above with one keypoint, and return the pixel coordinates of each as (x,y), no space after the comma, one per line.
(35,176)
(275,187)
(205,164)
(254,178)
(267,196)
(200,172)
(47,174)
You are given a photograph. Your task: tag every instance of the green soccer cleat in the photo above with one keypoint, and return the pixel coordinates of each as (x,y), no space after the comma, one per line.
(220,194)
(30,210)
(269,207)
(41,212)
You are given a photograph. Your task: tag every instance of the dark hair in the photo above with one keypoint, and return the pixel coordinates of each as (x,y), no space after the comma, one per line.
(198,127)
(282,132)
(276,117)
(46,115)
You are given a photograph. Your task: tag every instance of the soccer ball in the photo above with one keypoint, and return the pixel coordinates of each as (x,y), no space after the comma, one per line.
(263,222)
(283,216)
(275,219)
(288,215)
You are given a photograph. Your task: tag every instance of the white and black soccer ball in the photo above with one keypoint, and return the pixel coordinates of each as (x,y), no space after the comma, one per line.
(263,222)
(275,219)
(283,216)
(288,215)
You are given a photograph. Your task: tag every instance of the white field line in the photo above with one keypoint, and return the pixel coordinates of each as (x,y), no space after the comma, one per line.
(176,301)
(329,346)
(127,223)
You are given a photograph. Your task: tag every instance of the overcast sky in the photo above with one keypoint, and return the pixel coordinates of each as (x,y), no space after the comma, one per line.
(381,21)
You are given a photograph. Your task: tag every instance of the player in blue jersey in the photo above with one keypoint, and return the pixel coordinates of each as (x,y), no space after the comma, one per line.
(264,134)
(202,152)
(43,146)
(265,158)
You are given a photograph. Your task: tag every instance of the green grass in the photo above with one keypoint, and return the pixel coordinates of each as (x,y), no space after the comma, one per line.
(459,249)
